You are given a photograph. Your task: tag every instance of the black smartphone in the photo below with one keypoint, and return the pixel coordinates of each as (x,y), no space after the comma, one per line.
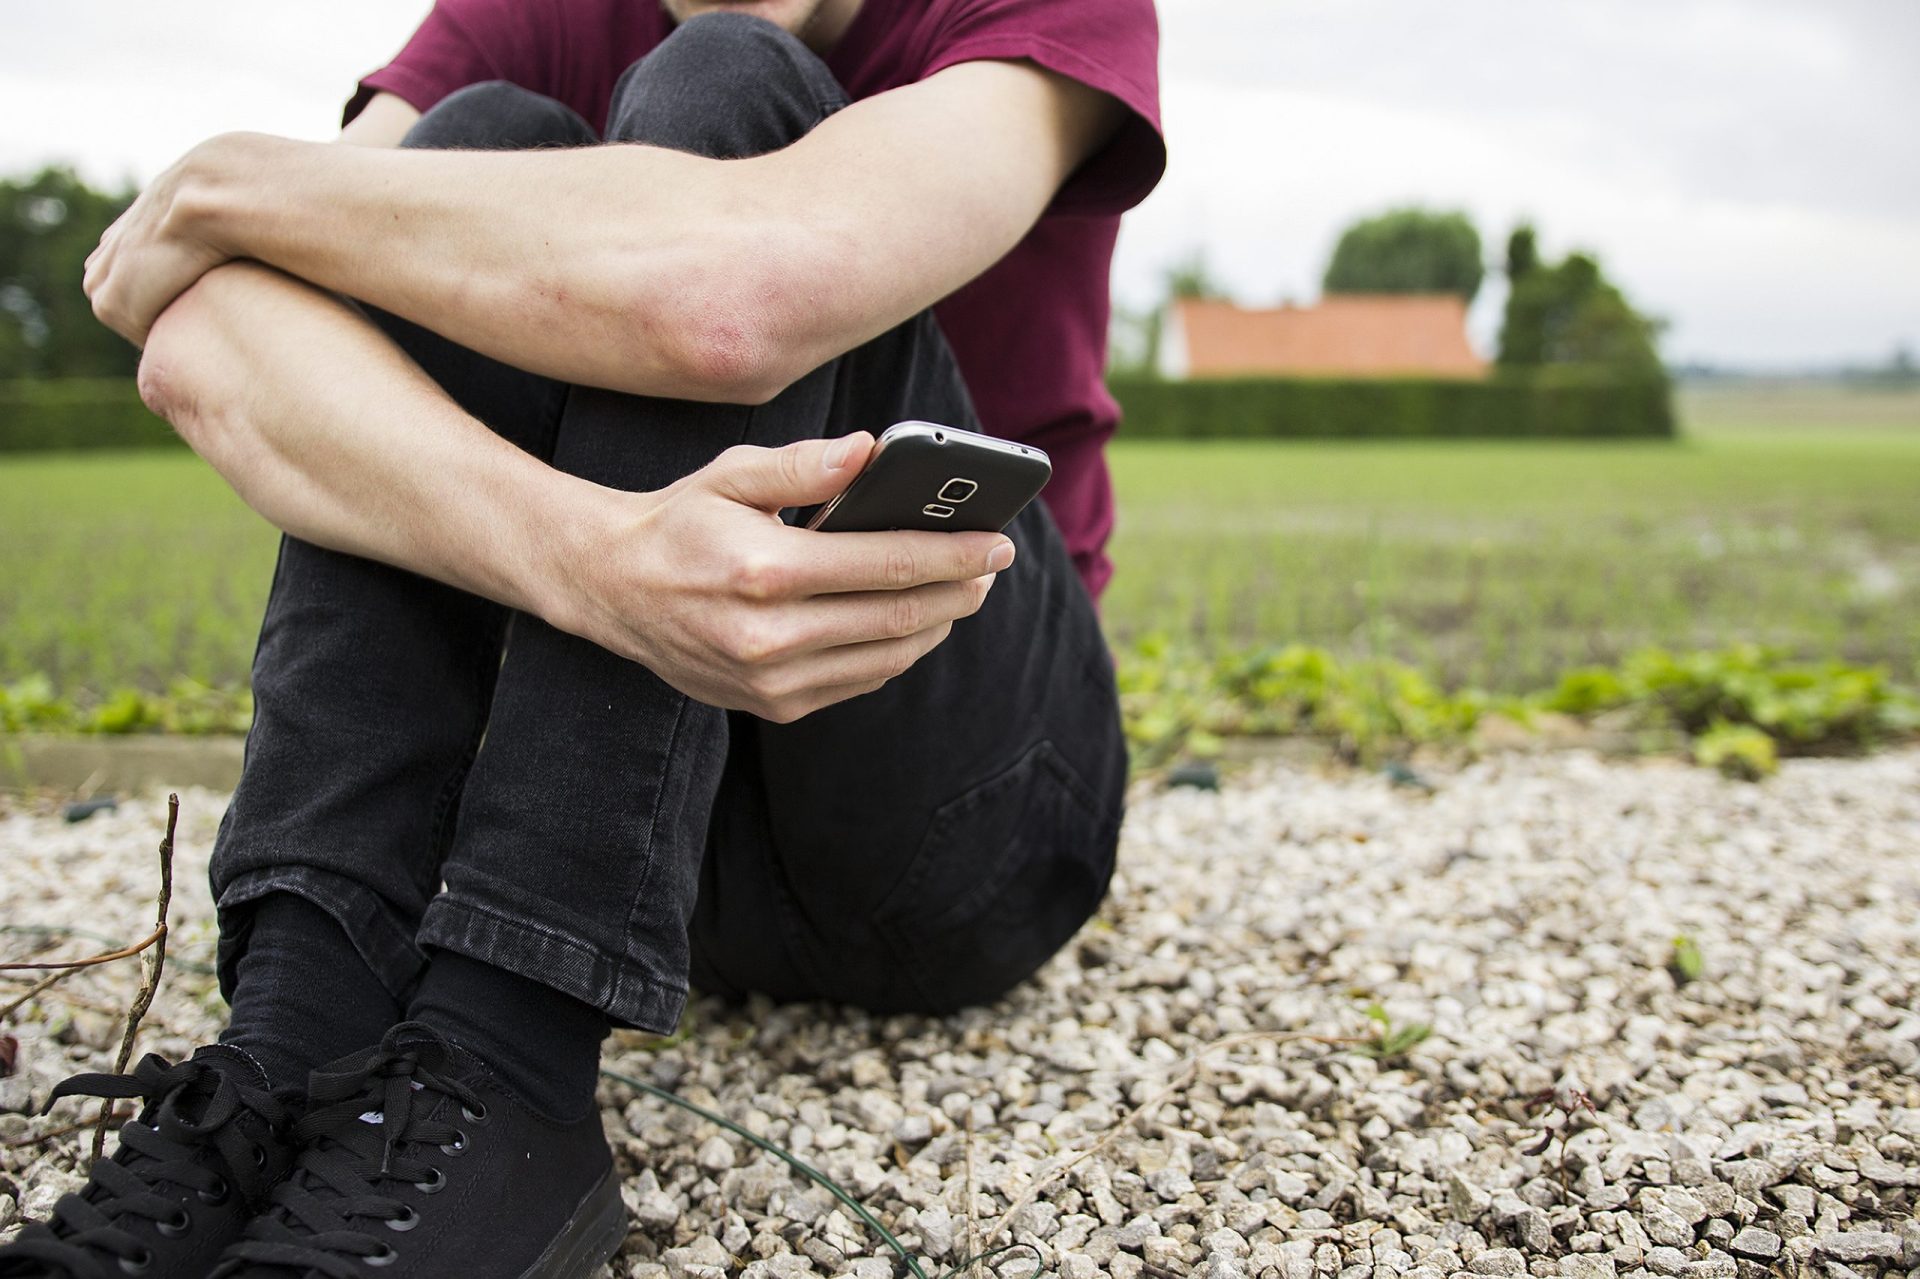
(922,475)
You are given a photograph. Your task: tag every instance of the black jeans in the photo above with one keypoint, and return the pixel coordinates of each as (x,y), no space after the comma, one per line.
(436,770)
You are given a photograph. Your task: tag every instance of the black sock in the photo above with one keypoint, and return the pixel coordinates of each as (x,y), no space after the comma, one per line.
(544,1044)
(303,996)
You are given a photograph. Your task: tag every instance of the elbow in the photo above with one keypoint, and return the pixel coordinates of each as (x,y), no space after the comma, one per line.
(162,380)
(745,333)
(172,375)
(731,358)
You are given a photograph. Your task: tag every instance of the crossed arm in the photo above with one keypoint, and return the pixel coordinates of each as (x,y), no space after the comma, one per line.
(668,275)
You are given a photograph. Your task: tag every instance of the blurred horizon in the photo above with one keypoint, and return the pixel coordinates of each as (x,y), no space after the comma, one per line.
(1735,163)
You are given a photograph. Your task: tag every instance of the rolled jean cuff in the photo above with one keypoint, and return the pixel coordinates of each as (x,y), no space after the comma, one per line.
(612,983)
(382,934)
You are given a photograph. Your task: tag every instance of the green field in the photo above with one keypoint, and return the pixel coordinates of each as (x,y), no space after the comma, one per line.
(1791,520)
(1501,564)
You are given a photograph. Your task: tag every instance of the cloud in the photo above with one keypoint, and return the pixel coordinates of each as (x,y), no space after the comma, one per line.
(121,88)
(1739,166)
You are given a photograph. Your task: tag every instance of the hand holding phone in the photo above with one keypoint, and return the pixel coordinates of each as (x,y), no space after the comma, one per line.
(925,476)
(703,585)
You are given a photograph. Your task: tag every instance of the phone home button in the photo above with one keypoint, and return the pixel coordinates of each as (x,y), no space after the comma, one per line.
(957,490)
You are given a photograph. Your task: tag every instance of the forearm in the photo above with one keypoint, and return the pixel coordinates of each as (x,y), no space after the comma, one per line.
(612,268)
(329,431)
(653,271)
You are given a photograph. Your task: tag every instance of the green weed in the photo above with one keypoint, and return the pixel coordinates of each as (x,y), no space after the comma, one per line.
(1685,963)
(1391,1040)
(1356,592)
(1745,702)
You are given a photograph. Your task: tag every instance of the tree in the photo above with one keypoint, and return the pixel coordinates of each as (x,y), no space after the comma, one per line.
(1408,251)
(1133,337)
(1523,252)
(1570,314)
(49,223)
(1190,278)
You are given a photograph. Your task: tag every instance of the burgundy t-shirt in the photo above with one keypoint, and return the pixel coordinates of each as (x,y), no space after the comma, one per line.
(1030,333)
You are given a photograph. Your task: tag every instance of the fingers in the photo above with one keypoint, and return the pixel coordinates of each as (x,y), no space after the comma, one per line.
(804,685)
(818,699)
(798,474)
(895,561)
(830,621)
(778,639)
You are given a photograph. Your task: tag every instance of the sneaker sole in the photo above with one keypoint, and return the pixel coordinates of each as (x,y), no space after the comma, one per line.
(589,1239)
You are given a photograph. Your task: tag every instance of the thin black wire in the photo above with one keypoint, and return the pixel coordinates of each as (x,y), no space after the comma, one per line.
(832,1187)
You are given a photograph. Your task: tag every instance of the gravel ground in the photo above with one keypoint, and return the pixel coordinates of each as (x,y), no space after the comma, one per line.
(1761,1118)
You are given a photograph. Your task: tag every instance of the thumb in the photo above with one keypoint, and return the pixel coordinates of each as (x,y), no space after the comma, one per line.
(798,474)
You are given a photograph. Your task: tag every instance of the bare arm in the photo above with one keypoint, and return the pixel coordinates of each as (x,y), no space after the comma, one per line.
(248,365)
(247,368)
(669,273)
(328,430)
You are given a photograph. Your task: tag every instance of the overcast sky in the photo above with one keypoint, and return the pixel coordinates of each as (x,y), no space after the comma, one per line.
(1748,169)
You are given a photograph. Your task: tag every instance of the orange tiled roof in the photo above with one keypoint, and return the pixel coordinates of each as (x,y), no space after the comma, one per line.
(1364,335)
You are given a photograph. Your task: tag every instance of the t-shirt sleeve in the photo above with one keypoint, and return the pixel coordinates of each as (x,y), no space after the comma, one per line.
(1109,45)
(463,42)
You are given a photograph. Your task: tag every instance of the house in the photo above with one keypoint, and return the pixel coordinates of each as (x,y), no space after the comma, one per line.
(1343,335)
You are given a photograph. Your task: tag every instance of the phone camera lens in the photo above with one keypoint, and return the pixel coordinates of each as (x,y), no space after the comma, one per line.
(939,437)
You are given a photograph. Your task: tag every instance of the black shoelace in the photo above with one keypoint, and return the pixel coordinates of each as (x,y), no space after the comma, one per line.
(370,1132)
(193,1107)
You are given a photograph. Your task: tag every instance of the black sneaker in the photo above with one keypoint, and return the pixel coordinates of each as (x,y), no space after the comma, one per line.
(416,1162)
(192,1168)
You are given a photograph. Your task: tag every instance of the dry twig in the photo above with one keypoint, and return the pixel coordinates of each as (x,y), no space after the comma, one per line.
(154,938)
(151,985)
(54,1134)
(1571,1106)
(38,988)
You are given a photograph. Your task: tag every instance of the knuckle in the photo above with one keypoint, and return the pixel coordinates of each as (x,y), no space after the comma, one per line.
(756,642)
(790,466)
(735,461)
(763,689)
(758,576)
(899,662)
(907,614)
(901,569)
(784,710)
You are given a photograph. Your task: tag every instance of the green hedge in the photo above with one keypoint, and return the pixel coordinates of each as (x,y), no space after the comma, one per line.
(107,413)
(1545,404)
(78,413)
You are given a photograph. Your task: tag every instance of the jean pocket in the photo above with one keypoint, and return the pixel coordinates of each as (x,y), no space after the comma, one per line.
(1006,873)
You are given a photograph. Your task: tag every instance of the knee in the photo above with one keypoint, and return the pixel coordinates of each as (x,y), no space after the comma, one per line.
(495,115)
(727,47)
(724,85)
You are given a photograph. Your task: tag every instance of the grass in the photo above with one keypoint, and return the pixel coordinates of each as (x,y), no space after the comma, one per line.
(1502,564)
(1492,564)
(127,569)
